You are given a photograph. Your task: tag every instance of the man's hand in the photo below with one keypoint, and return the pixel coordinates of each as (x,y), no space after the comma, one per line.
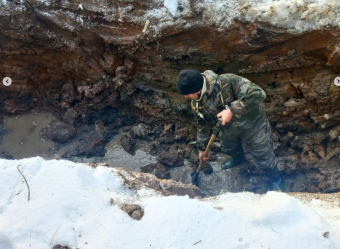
(226,116)
(200,156)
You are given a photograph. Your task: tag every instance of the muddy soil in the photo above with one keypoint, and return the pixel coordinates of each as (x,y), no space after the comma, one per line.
(32,134)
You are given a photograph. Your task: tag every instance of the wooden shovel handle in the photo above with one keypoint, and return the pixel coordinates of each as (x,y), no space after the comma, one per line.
(206,152)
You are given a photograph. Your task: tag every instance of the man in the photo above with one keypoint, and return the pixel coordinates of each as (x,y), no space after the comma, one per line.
(238,102)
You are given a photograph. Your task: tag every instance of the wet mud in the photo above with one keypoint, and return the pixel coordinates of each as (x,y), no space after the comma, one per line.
(30,135)
(28,138)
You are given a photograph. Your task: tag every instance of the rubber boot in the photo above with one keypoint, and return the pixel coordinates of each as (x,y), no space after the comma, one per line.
(276,182)
(233,161)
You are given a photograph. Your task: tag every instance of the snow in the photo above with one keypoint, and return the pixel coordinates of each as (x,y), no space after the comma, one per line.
(294,15)
(172,6)
(70,205)
(220,12)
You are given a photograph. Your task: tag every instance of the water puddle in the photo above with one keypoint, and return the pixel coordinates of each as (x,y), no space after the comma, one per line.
(24,139)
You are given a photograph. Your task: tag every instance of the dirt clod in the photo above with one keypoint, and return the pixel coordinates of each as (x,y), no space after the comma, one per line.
(135,211)
(148,168)
(62,132)
(172,158)
(137,215)
(161,171)
(128,143)
(61,247)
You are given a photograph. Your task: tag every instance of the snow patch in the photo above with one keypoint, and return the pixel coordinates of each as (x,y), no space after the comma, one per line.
(172,6)
(293,15)
(79,207)
(220,12)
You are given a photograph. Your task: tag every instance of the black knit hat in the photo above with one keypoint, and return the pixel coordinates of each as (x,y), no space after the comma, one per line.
(189,81)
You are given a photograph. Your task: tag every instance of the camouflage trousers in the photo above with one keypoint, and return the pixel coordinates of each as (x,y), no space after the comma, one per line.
(256,134)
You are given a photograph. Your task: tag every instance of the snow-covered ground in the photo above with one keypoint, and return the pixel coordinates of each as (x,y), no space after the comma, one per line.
(79,206)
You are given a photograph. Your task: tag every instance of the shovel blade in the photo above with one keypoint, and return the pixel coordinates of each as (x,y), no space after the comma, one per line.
(194,178)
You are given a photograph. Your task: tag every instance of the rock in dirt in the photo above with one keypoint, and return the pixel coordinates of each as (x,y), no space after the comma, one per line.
(68,93)
(70,116)
(61,247)
(92,143)
(135,211)
(62,132)
(172,158)
(128,143)
(161,171)
(148,168)
(158,169)
(154,149)
(187,151)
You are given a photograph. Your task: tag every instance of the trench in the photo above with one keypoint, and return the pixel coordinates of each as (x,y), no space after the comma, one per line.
(98,78)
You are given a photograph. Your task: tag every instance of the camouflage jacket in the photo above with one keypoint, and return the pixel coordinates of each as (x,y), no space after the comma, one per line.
(222,92)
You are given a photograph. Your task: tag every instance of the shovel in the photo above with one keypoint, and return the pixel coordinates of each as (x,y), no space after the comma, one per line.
(195,174)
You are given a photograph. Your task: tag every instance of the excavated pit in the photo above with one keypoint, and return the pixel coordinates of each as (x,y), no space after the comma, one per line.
(105,68)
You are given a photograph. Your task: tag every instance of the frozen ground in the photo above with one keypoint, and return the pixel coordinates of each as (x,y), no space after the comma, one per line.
(71,205)
(294,15)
